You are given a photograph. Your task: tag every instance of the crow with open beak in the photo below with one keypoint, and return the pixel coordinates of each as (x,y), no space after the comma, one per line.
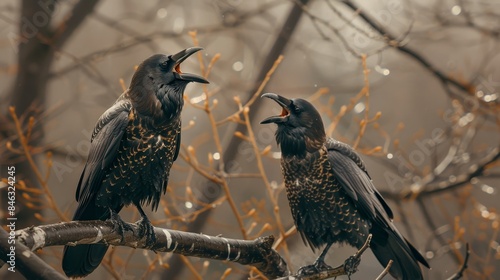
(133,146)
(331,195)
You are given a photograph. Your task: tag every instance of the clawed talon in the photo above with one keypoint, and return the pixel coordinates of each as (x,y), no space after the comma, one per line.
(318,266)
(351,265)
(307,270)
(321,265)
(119,225)
(146,229)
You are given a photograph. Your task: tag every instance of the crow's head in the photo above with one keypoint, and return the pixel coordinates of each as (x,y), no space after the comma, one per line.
(300,127)
(158,85)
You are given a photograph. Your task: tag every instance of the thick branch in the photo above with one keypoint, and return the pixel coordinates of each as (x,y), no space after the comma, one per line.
(258,252)
(25,261)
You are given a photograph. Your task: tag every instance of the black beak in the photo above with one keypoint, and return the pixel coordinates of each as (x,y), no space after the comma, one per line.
(284,103)
(178,58)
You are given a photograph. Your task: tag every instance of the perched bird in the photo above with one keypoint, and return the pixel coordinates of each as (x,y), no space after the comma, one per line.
(133,146)
(331,195)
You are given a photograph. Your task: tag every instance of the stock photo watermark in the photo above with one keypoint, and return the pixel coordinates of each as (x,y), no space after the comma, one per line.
(11,217)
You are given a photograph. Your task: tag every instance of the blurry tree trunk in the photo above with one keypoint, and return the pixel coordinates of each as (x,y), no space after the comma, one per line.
(37,42)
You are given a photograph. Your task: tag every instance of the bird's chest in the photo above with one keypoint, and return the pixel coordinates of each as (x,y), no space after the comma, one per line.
(316,198)
(143,163)
(309,181)
(150,148)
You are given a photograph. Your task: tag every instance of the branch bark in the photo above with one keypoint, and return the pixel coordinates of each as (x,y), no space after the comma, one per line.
(258,252)
(25,261)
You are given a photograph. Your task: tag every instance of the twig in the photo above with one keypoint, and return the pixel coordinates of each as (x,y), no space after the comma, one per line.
(461,180)
(26,149)
(349,267)
(464,266)
(385,271)
(191,268)
(258,252)
(256,94)
(391,39)
(263,173)
(77,15)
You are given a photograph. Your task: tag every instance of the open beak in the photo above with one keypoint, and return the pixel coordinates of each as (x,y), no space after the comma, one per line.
(285,105)
(178,58)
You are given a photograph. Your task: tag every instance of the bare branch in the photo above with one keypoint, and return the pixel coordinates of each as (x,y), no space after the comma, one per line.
(385,271)
(78,14)
(26,262)
(258,252)
(460,273)
(349,267)
(392,41)
(478,170)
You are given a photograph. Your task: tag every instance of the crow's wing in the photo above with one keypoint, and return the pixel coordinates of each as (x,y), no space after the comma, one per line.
(105,142)
(177,145)
(350,170)
(387,243)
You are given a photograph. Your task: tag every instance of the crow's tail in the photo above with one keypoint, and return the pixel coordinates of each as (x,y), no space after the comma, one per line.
(387,244)
(81,260)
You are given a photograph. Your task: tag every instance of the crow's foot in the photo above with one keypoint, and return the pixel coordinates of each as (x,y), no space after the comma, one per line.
(119,225)
(147,230)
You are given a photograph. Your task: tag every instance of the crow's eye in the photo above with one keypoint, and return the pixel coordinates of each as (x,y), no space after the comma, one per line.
(294,108)
(164,65)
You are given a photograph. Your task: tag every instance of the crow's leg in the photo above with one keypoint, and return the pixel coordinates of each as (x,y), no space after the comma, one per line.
(318,265)
(119,225)
(145,227)
(320,261)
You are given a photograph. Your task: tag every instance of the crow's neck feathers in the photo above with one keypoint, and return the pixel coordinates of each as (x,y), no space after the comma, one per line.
(297,141)
(171,98)
(162,101)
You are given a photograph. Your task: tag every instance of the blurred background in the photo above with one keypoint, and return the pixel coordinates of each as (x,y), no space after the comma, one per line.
(412,85)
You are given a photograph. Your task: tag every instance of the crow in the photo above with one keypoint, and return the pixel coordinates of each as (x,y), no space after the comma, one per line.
(133,146)
(331,195)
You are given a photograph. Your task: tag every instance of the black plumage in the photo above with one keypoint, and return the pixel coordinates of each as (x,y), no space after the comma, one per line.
(133,146)
(331,195)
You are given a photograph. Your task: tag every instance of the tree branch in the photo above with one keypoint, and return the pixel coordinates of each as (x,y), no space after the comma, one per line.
(392,42)
(258,252)
(477,170)
(78,14)
(460,273)
(29,264)
(385,271)
(349,267)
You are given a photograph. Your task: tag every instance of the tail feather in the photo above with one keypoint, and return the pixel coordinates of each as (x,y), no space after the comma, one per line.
(387,244)
(81,260)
